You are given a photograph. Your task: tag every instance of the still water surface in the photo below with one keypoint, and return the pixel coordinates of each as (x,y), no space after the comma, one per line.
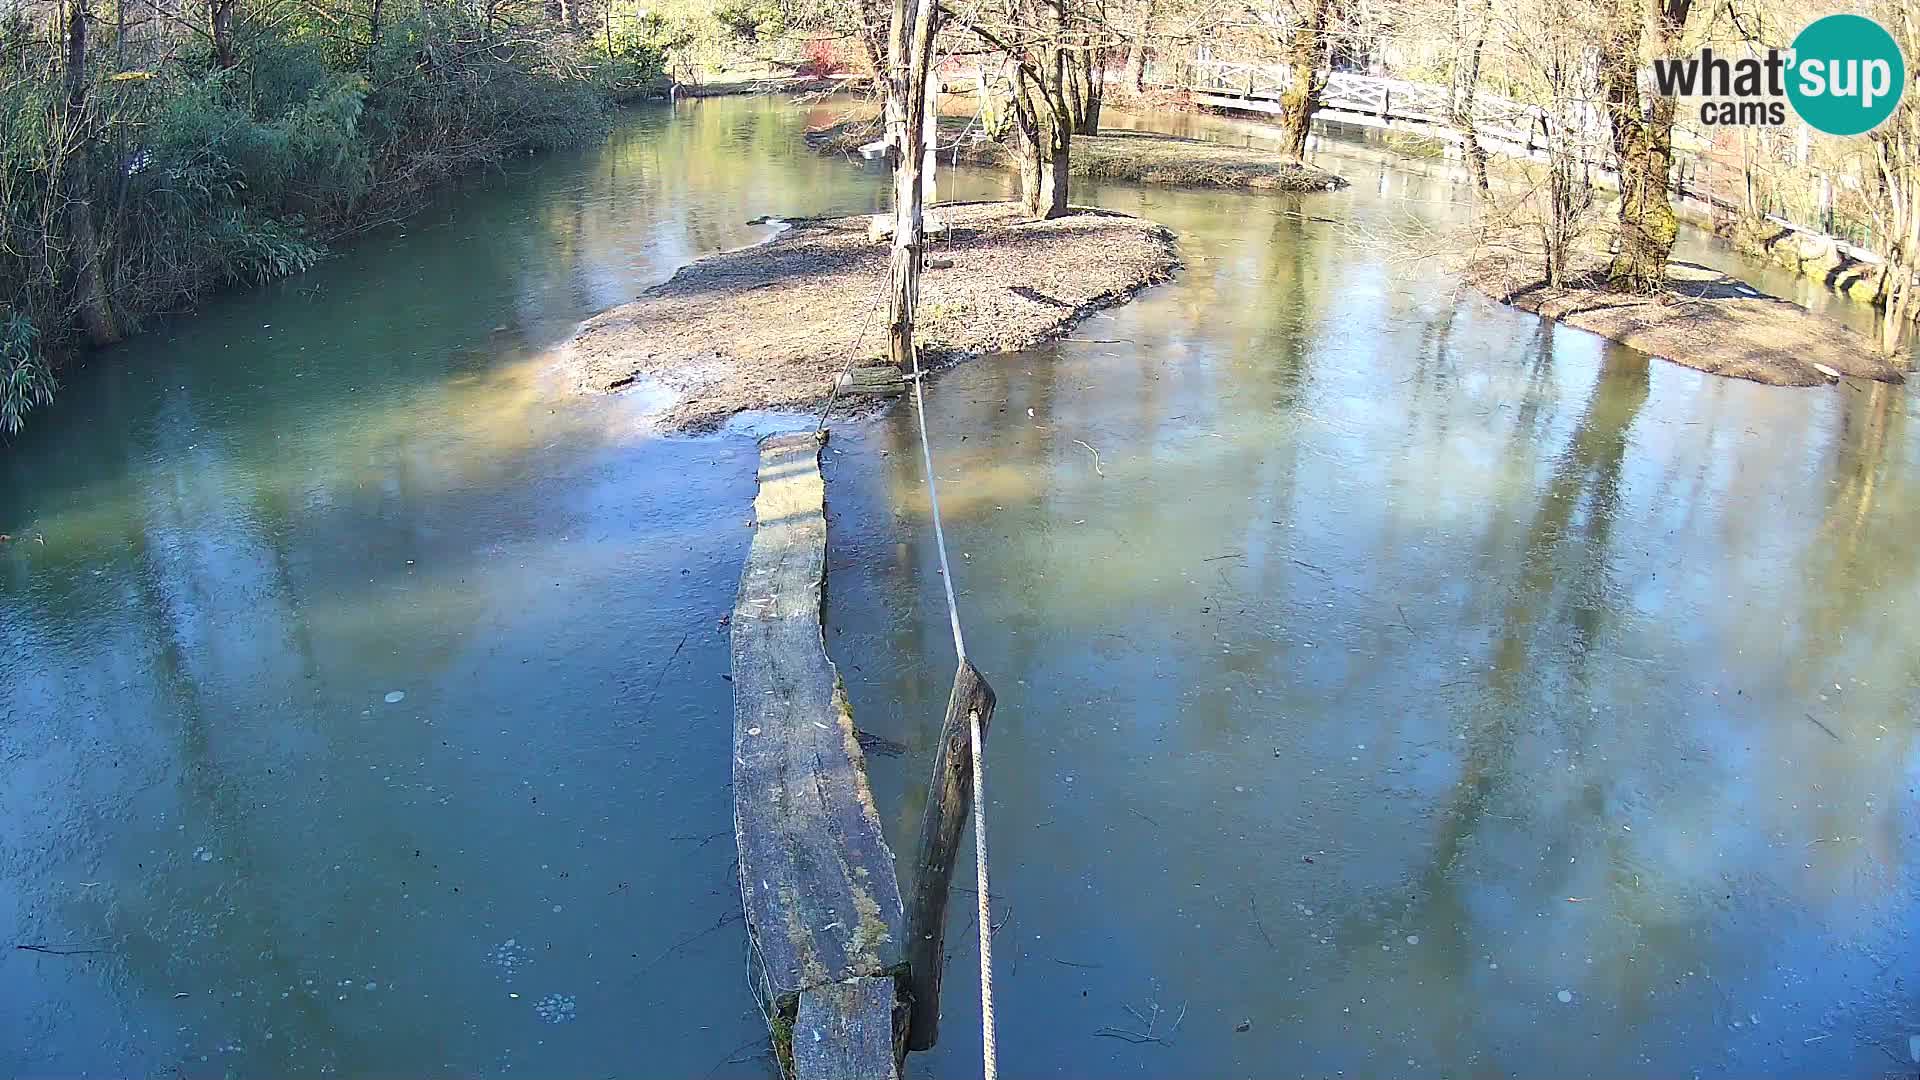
(1422,687)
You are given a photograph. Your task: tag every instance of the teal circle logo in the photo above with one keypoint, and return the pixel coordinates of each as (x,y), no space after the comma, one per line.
(1847,76)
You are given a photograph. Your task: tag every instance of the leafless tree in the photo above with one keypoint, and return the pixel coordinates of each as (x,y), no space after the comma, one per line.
(1642,137)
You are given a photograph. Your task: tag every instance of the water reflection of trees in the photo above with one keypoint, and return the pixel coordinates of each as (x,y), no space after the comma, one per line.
(232,524)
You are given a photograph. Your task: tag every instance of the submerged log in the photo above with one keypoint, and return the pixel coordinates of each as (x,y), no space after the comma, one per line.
(817,879)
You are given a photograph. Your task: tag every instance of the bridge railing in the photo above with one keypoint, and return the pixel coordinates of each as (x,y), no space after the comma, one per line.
(1504,123)
(1494,117)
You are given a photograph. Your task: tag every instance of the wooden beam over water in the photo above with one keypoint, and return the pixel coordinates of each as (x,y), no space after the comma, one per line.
(817,880)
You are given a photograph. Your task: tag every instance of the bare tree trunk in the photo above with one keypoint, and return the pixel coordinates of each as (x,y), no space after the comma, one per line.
(1569,191)
(1304,59)
(1027,143)
(1056,124)
(1082,81)
(1642,140)
(373,35)
(911,67)
(1470,33)
(873,38)
(220,28)
(1896,147)
(899,39)
(1900,181)
(94,311)
(1092,84)
(1044,73)
(1136,75)
(1042,144)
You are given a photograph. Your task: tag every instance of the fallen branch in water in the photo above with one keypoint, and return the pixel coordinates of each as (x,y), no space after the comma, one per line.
(878,744)
(1254,907)
(662,677)
(1098,471)
(58,950)
(691,938)
(1148,1022)
(1825,728)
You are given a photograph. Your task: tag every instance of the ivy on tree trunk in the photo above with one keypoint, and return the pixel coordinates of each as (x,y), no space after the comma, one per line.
(1642,140)
(1305,56)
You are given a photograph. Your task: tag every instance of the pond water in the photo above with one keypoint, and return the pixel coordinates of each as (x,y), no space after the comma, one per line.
(1413,684)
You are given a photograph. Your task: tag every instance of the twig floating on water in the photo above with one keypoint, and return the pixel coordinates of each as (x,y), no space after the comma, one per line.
(704,840)
(1098,471)
(1134,1037)
(734,1058)
(691,938)
(1143,817)
(1254,907)
(1825,728)
(878,744)
(57,950)
(662,677)
(1228,555)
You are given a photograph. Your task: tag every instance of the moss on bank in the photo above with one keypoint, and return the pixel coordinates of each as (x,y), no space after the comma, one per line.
(1703,319)
(771,326)
(1138,156)
(1816,257)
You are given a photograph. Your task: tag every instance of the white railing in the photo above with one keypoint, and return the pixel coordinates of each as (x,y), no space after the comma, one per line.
(1494,118)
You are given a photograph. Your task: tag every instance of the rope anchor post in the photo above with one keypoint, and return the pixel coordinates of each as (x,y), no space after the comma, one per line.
(950,795)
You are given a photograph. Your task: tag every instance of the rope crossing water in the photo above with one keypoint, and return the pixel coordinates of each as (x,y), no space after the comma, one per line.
(984,917)
(989,1055)
(984,914)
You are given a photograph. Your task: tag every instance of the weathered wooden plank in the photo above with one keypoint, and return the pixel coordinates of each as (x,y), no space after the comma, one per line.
(949,800)
(816,876)
(846,1031)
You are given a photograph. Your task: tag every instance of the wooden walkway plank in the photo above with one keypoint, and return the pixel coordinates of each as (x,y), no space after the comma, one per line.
(847,1031)
(817,878)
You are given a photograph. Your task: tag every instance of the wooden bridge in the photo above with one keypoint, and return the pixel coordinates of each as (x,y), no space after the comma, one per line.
(1501,125)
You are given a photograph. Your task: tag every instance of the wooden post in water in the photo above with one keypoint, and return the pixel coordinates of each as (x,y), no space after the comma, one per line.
(949,802)
(912,52)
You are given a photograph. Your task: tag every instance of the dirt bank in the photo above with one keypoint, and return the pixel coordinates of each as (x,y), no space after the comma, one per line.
(1704,319)
(1142,157)
(771,326)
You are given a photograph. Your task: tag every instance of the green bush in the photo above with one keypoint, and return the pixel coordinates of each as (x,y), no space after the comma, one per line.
(25,379)
(201,178)
(751,20)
